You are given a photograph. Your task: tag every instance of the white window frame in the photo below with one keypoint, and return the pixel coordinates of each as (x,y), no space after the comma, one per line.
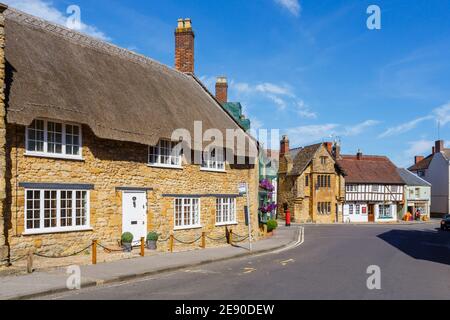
(159,155)
(212,164)
(383,209)
(58,228)
(220,213)
(191,205)
(63,155)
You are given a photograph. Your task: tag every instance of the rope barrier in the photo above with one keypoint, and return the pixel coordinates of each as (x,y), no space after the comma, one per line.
(216,239)
(18,259)
(65,256)
(187,243)
(165,240)
(110,250)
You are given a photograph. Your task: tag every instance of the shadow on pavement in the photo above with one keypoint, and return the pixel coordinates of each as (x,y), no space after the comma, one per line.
(432,245)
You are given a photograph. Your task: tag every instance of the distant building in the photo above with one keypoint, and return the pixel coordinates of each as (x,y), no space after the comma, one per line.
(233,108)
(374,189)
(310,184)
(417,194)
(436,170)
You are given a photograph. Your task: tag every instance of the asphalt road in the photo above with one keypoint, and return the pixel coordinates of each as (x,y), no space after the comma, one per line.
(332,264)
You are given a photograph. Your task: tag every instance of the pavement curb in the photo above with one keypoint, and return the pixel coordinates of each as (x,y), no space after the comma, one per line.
(96,283)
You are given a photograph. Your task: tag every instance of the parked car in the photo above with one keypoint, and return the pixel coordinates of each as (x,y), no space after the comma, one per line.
(445,223)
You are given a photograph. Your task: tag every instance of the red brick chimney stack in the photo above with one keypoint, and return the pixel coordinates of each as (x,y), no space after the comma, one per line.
(329,146)
(418,159)
(222,90)
(284,146)
(439,146)
(184,46)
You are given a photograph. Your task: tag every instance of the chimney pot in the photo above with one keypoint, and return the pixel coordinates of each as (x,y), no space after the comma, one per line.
(222,89)
(329,146)
(359,155)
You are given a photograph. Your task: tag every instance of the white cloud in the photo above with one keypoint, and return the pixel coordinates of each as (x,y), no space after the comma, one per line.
(442,114)
(405,127)
(47,11)
(415,148)
(292,5)
(305,135)
(359,128)
(304,111)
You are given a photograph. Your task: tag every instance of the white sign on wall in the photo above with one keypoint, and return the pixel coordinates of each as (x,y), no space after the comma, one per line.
(242,188)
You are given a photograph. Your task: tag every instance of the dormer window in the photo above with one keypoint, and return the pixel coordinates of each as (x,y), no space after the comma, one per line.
(53,139)
(165,154)
(213,161)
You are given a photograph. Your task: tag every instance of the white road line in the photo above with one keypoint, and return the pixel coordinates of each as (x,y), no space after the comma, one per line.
(298,243)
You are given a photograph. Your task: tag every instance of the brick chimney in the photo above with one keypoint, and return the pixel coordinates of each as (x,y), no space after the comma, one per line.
(329,146)
(439,146)
(284,146)
(433,150)
(184,46)
(222,90)
(418,159)
(359,155)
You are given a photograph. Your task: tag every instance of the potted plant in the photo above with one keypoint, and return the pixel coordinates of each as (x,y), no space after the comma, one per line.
(127,241)
(152,239)
(271,226)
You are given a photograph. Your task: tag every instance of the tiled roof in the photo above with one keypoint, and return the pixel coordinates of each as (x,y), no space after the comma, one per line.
(411,179)
(370,170)
(425,163)
(302,157)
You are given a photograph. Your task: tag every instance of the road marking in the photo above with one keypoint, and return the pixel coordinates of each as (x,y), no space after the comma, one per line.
(249,270)
(286,262)
(201,271)
(298,243)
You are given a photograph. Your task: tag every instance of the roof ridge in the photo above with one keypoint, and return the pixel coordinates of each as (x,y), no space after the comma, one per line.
(85,40)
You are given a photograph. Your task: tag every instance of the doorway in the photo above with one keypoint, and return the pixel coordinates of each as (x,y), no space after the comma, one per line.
(134,214)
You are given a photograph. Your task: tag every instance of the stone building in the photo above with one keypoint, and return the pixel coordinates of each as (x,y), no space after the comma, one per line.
(88,150)
(310,184)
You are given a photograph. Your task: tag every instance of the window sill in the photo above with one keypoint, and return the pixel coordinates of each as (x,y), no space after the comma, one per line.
(187,228)
(162,166)
(56,230)
(53,156)
(226,224)
(213,170)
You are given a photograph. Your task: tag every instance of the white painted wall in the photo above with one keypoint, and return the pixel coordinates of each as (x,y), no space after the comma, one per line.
(438,174)
(356,218)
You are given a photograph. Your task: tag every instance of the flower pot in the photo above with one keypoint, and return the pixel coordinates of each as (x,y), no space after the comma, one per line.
(127,247)
(151,245)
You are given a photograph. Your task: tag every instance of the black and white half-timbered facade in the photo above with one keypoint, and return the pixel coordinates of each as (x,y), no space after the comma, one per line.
(374,189)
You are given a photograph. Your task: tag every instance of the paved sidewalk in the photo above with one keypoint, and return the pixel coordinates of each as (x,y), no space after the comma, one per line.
(54,281)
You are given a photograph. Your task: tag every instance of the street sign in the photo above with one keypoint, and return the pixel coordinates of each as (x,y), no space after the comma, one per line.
(242,188)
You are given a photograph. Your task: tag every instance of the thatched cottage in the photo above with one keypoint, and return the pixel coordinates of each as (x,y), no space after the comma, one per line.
(87,144)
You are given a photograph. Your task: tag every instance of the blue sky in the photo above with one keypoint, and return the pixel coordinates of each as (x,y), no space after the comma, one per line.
(309,68)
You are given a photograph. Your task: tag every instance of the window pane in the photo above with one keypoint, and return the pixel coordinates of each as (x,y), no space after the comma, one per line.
(50,209)
(33,210)
(54,137)
(36,136)
(81,208)
(66,209)
(72,140)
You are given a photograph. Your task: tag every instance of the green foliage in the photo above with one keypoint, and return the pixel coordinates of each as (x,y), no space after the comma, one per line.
(127,237)
(152,236)
(271,225)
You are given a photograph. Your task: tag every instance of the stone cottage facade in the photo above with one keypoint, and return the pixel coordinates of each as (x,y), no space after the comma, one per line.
(310,184)
(88,150)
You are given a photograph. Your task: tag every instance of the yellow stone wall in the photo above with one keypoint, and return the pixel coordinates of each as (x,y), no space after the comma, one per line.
(109,164)
(3,208)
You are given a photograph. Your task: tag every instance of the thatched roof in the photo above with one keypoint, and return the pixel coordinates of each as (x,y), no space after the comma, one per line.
(61,74)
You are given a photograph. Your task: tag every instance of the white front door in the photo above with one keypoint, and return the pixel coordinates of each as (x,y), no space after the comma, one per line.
(134,219)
